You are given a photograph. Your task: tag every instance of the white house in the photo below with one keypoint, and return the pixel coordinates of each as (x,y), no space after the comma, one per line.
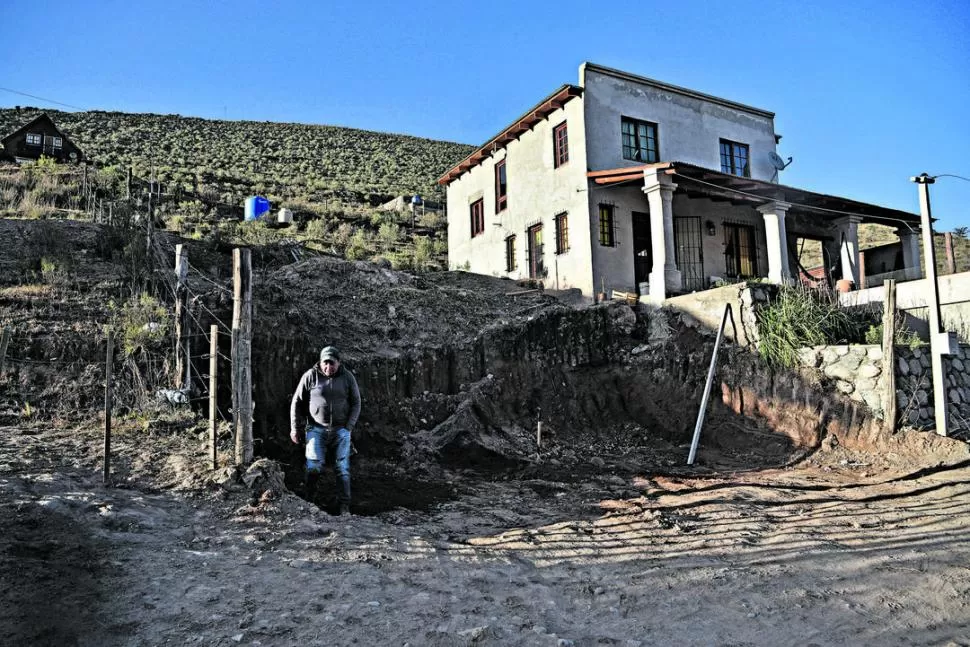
(623,182)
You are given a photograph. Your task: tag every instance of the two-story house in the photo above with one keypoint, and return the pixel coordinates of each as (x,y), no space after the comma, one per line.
(624,182)
(40,138)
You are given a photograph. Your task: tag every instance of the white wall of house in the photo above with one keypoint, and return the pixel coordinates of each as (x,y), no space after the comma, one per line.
(537,192)
(689,124)
(719,213)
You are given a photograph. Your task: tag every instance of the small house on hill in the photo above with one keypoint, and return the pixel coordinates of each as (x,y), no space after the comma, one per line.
(40,137)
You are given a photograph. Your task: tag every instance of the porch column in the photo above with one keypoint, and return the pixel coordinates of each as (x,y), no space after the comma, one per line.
(849,248)
(664,277)
(909,240)
(776,238)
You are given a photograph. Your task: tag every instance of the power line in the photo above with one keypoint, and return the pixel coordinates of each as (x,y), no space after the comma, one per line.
(959,177)
(34,96)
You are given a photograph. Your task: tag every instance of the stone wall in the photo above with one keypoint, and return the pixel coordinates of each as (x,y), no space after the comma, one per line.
(856,371)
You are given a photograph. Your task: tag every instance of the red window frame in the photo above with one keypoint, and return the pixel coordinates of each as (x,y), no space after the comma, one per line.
(560,145)
(476,213)
(501,187)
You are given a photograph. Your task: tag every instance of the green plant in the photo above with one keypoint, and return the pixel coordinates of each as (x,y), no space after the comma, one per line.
(49,270)
(904,336)
(141,323)
(800,317)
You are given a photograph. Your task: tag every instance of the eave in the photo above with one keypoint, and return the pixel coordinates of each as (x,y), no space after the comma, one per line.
(697,181)
(520,126)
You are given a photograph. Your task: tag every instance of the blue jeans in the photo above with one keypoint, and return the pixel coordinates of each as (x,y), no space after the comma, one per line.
(323,444)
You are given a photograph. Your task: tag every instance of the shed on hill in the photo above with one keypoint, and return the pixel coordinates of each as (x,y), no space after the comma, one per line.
(40,137)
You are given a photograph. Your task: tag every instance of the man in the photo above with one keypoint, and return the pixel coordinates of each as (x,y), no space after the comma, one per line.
(328,399)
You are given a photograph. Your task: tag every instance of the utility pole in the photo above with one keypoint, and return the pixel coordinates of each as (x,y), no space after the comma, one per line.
(939,339)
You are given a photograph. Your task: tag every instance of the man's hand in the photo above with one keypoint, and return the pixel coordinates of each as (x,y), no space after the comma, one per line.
(295,436)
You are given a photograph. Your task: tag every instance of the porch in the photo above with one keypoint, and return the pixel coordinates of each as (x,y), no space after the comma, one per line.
(692,228)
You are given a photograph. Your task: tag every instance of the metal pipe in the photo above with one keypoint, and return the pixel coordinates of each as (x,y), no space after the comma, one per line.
(707,385)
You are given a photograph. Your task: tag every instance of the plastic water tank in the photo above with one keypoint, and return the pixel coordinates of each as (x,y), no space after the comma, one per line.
(256,207)
(284,216)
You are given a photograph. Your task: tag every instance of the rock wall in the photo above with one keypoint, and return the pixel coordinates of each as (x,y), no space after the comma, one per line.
(857,372)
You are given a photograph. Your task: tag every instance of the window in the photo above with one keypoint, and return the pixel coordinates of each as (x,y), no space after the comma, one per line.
(537,267)
(510,264)
(734,158)
(739,250)
(33,139)
(562,233)
(560,145)
(607,238)
(639,140)
(501,187)
(477,213)
(58,142)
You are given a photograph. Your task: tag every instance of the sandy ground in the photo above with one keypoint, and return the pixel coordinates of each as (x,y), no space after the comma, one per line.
(841,554)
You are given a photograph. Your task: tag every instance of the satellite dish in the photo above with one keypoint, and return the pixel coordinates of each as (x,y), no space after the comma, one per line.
(777,162)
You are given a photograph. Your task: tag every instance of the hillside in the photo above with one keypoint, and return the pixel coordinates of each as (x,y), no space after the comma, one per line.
(238,158)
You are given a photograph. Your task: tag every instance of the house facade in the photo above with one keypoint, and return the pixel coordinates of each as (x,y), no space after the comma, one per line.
(40,138)
(627,183)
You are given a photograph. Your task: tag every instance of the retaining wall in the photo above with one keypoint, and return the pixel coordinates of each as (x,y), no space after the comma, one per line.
(856,371)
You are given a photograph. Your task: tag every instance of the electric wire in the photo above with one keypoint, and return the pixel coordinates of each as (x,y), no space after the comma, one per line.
(34,96)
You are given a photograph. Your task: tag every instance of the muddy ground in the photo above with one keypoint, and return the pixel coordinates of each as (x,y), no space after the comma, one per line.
(603,537)
(838,550)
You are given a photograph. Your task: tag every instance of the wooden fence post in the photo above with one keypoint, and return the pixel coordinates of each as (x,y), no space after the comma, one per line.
(242,318)
(889,356)
(183,361)
(213,386)
(951,262)
(108,396)
(4,342)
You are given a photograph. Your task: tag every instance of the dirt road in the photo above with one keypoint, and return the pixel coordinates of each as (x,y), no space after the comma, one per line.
(845,554)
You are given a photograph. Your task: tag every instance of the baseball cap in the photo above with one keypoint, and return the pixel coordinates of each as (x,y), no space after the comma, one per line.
(329,352)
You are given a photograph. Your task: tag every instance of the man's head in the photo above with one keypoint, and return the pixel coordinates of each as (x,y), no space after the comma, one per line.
(329,360)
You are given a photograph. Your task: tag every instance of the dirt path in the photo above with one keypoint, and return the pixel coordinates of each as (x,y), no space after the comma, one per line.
(824,556)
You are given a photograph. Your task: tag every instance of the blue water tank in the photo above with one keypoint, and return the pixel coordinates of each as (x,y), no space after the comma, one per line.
(256,207)
(417,200)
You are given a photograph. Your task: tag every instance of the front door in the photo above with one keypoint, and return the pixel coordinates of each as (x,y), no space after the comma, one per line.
(536,268)
(642,248)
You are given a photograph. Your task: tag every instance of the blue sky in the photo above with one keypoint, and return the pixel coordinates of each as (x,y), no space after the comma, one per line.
(866,94)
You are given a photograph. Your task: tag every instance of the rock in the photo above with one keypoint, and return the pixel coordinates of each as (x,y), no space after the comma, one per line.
(624,319)
(829,443)
(915,367)
(874,352)
(564,642)
(955,396)
(844,387)
(956,364)
(596,461)
(925,361)
(901,399)
(374,603)
(841,351)
(903,367)
(913,417)
(922,397)
(473,634)
(237,638)
(869,370)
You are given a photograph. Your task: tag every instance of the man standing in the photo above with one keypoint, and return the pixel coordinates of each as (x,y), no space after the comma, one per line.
(328,399)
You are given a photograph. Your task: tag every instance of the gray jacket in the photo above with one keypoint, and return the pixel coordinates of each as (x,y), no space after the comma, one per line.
(331,402)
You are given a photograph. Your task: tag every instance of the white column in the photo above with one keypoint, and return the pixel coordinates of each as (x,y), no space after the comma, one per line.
(849,248)
(664,277)
(776,238)
(909,240)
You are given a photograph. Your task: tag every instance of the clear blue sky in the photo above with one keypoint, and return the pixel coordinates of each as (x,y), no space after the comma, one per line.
(866,93)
